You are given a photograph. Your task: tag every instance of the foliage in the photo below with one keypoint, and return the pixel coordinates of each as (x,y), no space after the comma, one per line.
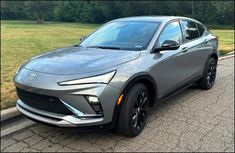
(38,9)
(10,10)
(209,12)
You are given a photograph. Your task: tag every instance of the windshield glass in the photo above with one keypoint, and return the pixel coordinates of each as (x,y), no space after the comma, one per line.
(131,35)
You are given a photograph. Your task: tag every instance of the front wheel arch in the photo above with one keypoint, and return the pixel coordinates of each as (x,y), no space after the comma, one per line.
(144,78)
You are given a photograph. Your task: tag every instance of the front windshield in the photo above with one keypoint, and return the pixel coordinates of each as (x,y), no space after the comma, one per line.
(131,35)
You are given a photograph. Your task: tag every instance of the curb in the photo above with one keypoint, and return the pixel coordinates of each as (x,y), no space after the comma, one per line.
(226,56)
(13,112)
(230,53)
(9,113)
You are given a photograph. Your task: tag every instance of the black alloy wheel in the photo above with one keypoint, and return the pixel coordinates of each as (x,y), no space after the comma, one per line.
(133,113)
(208,79)
(211,73)
(139,111)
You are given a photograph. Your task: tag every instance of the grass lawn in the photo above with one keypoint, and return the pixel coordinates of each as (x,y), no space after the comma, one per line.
(21,40)
(226,40)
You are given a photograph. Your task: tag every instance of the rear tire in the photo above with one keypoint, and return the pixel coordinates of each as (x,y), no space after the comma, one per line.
(132,117)
(209,75)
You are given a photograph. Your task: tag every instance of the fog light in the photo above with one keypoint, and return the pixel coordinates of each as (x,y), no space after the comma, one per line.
(93,99)
(95,104)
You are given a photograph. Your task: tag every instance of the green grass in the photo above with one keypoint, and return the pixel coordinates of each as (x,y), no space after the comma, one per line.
(21,40)
(226,40)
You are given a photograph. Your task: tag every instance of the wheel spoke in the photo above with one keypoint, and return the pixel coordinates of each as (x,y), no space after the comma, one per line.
(211,73)
(142,116)
(144,101)
(212,78)
(133,112)
(208,79)
(213,68)
(136,119)
(143,94)
(139,112)
(209,70)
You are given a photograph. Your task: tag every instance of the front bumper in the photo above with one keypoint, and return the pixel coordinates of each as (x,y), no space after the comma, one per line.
(73,97)
(55,118)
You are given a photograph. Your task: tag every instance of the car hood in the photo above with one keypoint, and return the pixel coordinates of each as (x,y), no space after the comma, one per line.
(78,60)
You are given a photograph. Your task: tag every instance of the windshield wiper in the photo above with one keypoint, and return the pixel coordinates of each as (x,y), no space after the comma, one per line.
(104,47)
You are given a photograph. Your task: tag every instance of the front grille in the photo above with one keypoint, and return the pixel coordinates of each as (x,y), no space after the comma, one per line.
(43,102)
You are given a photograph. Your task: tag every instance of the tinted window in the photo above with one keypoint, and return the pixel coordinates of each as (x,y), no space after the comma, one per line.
(201,29)
(131,35)
(190,30)
(171,32)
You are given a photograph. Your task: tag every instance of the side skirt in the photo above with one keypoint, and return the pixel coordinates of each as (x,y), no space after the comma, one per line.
(178,89)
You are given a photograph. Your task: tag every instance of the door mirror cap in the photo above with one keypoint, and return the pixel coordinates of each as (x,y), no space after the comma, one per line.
(168,45)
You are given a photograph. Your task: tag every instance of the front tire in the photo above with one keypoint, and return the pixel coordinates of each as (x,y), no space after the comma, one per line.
(209,75)
(132,117)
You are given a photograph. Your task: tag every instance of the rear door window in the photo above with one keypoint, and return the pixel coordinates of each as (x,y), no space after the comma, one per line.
(190,30)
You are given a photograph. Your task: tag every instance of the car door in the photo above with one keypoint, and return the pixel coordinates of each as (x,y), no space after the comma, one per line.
(198,48)
(173,68)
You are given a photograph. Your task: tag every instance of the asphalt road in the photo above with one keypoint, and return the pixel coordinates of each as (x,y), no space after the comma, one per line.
(194,120)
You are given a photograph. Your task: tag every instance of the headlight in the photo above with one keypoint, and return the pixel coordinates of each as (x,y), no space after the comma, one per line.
(104,78)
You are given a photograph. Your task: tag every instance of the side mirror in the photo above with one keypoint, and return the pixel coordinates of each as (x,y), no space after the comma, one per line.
(82,38)
(168,45)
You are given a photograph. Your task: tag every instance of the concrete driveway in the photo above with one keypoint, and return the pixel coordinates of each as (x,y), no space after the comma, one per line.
(194,120)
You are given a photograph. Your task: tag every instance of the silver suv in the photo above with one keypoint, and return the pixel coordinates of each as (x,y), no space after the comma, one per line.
(115,74)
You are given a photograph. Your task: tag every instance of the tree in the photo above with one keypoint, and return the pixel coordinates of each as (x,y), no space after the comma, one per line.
(224,12)
(13,10)
(209,12)
(39,10)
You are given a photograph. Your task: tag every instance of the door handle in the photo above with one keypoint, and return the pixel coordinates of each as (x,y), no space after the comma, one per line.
(185,49)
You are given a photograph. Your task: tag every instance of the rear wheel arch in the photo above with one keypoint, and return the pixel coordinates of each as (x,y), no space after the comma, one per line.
(211,55)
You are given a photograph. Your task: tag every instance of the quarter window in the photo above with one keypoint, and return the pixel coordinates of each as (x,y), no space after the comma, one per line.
(171,32)
(201,29)
(190,30)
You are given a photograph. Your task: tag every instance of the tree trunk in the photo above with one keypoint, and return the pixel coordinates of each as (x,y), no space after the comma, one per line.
(40,20)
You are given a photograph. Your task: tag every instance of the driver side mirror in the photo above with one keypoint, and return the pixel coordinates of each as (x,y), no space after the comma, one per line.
(168,45)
